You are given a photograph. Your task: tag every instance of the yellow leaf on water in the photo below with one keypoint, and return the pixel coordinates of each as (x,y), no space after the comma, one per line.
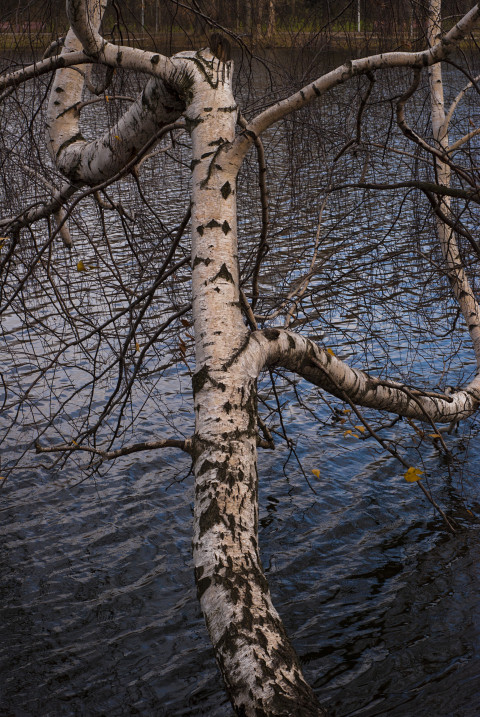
(106,98)
(316,472)
(81,266)
(137,346)
(74,442)
(434,435)
(329,351)
(412,475)
(350,433)
(117,137)
(360,428)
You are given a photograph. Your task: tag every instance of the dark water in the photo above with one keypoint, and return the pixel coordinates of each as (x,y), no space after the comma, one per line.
(99,614)
(98,607)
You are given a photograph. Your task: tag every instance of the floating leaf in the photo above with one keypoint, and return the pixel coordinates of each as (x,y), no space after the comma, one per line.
(81,266)
(117,137)
(412,475)
(350,433)
(329,351)
(137,346)
(106,98)
(347,411)
(316,472)
(360,428)
(434,435)
(74,442)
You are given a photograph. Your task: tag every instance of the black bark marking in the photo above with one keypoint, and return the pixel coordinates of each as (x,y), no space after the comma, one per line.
(207,109)
(226,190)
(210,517)
(247,619)
(225,227)
(202,585)
(191,123)
(199,259)
(213,224)
(262,640)
(76,138)
(223,274)
(316,90)
(155,59)
(199,379)
(200,230)
(271,334)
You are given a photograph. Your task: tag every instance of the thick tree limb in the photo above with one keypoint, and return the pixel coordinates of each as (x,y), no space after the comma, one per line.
(351,69)
(279,347)
(92,162)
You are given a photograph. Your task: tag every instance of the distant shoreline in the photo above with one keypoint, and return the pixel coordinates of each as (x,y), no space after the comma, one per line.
(175,41)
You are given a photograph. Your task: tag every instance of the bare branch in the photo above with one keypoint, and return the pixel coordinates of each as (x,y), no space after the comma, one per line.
(183,444)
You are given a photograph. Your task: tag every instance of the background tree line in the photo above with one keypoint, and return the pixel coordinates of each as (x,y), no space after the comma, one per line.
(273,21)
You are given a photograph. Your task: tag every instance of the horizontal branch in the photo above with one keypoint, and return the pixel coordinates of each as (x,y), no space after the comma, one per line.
(353,68)
(432,187)
(184,445)
(279,347)
(51,64)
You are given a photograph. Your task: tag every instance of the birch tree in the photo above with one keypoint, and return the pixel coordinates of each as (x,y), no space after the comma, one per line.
(192,91)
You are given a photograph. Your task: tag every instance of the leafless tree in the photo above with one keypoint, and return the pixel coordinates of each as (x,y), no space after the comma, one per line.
(150,297)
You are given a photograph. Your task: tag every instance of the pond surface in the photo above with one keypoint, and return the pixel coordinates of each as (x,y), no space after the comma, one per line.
(98,606)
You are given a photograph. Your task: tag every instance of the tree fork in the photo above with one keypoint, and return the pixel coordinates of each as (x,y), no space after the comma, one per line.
(260,668)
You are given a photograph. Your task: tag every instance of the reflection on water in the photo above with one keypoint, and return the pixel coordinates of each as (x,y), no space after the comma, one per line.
(99,613)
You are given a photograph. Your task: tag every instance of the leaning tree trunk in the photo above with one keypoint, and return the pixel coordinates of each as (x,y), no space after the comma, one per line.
(446,236)
(260,668)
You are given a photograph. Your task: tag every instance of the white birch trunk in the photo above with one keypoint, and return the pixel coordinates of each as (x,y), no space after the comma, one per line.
(446,236)
(260,668)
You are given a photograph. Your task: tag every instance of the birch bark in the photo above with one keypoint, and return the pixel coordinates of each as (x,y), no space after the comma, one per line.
(260,668)
(446,236)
